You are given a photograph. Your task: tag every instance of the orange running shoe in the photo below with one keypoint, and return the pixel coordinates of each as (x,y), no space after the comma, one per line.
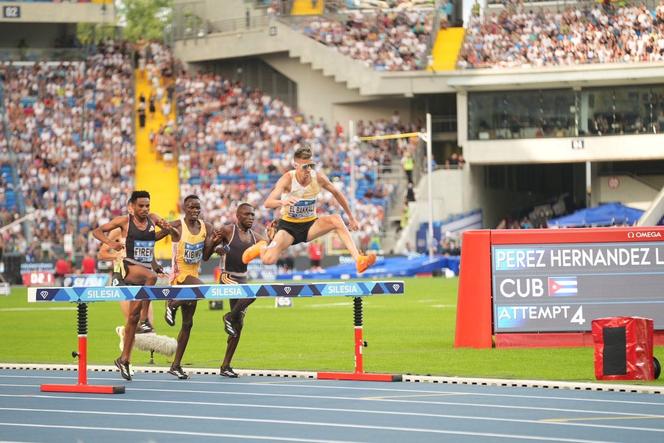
(253,251)
(364,261)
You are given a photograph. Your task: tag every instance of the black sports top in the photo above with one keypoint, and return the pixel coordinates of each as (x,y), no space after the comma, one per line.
(233,258)
(140,244)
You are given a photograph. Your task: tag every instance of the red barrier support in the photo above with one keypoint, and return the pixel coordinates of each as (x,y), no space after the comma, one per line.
(82,354)
(358,374)
(473,320)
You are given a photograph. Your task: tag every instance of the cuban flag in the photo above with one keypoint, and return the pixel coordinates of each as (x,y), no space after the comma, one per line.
(562,286)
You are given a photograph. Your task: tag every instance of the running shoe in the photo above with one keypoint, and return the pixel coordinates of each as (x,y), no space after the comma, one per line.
(228,325)
(253,251)
(364,261)
(227,372)
(144,327)
(125,372)
(169,315)
(178,372)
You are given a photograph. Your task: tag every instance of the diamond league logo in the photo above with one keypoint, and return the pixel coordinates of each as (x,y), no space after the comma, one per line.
(43,294)
(166,292)
(287,289)
(396,286)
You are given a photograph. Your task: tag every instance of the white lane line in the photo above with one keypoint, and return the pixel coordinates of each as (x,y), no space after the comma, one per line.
(367,411)
(188,433)
(347,410)
(36,309)
(298,384)
(307,423)
(330,397)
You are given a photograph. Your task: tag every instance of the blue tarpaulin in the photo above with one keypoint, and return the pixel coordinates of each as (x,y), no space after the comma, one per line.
(608,214)
(384,267)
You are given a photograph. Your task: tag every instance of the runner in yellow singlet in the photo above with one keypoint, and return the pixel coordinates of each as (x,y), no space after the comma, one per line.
(296,193)
(191,239)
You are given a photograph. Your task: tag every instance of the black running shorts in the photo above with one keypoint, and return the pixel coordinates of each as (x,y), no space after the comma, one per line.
(299,231)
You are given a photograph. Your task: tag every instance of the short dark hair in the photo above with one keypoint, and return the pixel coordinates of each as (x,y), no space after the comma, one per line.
(138,194)
(190,197)
(245,204)
(303,152)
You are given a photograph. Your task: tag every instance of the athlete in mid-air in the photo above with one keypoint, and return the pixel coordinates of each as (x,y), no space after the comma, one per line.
(296,193)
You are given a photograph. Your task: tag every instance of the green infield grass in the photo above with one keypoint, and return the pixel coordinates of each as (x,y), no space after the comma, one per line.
(410,334)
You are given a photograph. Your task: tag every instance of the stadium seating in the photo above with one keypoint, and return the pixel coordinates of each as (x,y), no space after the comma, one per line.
(606,32)
(70,126)
(392,40)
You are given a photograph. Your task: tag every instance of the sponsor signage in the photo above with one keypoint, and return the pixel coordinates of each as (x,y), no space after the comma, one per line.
(563,287)
(38,278)
(259,271)
(38,274)
(85,280)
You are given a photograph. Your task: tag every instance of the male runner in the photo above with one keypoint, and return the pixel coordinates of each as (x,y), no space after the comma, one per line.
(191,239)
(238,237)
(107,253)
(140,266)
(295,193)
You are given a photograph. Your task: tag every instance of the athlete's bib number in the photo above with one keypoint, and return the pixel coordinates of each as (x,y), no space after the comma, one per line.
(193,254)
(303,209)
(143,251)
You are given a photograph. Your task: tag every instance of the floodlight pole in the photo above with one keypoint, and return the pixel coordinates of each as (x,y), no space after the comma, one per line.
(351,149)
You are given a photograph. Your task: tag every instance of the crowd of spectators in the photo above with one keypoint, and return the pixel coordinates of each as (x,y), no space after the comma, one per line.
(235,141)
(602,33)
(70,125)
(393,40)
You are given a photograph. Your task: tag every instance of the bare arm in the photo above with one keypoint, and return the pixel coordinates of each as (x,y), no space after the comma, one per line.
(274,199)
(260,236)
(106,252)
(175,231)
(214,238)
(101,232)
(327,184)
(166,228)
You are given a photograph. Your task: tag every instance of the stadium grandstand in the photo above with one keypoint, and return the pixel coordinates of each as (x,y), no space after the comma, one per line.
(476,174)
(530,112)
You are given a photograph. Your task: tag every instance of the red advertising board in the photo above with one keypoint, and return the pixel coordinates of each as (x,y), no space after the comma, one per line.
(38,278)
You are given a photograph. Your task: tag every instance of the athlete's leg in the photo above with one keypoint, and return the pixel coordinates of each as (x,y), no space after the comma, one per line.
(329,223)
(125,308)
(146,311)
(281,241)
(188,309)
(238,307)
(234,340)
(140,276)
(130,330)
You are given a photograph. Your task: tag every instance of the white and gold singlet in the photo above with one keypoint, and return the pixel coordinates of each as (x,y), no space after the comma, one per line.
(305,209)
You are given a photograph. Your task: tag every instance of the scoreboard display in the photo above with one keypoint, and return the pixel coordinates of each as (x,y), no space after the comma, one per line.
(563,287)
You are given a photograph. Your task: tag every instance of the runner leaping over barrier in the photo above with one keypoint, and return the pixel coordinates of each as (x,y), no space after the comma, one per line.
(82,296)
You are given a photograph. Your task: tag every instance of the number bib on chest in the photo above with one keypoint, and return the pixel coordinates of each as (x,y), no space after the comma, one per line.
(143,251)
(303,209)
(193,253)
